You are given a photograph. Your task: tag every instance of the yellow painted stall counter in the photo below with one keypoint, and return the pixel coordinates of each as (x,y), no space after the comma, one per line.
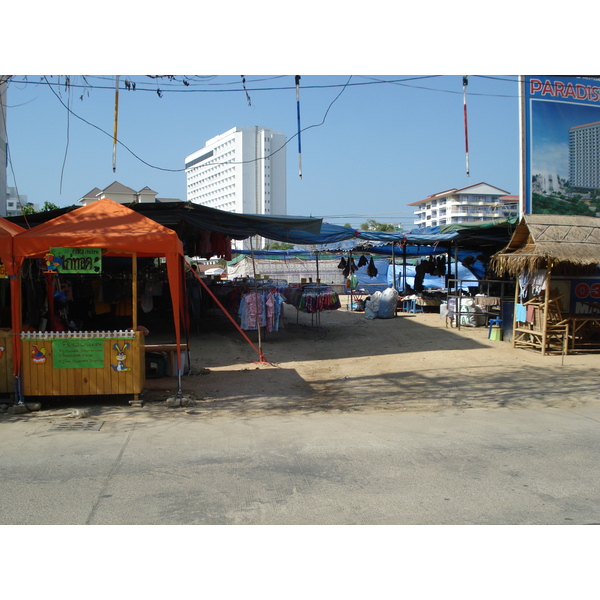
(83,363)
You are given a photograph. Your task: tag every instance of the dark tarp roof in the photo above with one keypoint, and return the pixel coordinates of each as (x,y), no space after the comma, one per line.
(189,219)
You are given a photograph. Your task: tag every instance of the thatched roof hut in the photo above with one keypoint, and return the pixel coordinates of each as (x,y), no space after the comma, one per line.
(569,243)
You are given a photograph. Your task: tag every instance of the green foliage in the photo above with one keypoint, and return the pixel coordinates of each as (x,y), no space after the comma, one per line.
(29,210)
(278,246)
(549,205)
(372,225)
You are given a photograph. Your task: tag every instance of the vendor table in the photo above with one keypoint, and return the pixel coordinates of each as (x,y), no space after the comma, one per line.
(414,305)
(170,353)
(83,363)
(584,332)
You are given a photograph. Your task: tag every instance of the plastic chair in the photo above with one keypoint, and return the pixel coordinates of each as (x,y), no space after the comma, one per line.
(494,323)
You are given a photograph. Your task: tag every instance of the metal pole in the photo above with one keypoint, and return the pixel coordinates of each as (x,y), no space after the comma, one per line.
(258,308)
(114,156)
(299,130)
(394,264)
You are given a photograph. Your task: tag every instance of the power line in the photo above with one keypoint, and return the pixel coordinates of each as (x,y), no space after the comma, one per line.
(172,86)
(70,111)
(190,89)
(111,136)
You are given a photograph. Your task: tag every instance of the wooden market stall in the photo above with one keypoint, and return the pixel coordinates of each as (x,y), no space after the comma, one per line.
(57,361)
(556,261)
(8,273)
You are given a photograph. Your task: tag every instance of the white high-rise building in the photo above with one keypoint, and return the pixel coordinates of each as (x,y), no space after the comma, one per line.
(584,156)
(242,170)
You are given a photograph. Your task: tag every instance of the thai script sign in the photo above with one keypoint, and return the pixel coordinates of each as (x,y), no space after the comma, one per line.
(74,260)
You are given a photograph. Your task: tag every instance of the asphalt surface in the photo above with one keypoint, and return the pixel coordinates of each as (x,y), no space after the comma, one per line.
(474,466)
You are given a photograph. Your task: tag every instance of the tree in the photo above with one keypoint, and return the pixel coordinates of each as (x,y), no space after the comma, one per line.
(29,210)
(372,225)
(278,246)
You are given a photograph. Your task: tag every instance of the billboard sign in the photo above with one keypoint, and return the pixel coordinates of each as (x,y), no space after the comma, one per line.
(561,145)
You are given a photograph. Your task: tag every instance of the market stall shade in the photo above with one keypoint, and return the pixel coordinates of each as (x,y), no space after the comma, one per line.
(8,231)
(556,260)
(543,240)
(8,346)
(115,229)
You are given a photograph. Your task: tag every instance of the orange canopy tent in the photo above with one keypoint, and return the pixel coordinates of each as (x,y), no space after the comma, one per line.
(8,231)
(115,229)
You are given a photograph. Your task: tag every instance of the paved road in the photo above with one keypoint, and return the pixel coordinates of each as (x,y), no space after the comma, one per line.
(479,466)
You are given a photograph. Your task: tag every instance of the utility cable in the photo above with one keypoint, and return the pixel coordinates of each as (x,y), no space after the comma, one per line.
(212,163)
(111,136)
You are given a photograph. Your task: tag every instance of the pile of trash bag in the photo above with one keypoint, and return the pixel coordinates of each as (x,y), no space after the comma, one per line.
(382,305)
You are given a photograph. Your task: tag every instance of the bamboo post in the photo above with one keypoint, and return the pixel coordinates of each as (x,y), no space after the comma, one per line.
(546,303)
(514,334)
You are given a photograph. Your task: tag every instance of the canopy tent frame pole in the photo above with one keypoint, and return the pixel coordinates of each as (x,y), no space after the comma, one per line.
(394,275)
(218,303)
(318,314)
(404,269)
(456,263)
(393,265)
(258,308)
(350,273)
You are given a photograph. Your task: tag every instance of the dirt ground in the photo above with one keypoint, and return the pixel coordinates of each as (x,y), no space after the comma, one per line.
(342,361)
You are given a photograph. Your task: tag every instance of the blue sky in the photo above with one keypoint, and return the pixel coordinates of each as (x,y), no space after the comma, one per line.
(370,149)
(371,144)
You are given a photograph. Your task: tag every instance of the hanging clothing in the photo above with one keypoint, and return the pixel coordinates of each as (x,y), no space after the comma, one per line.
(372,269)
(261,309)
(252,312)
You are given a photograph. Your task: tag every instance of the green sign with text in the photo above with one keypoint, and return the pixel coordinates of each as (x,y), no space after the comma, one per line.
(78,354)
(74,260)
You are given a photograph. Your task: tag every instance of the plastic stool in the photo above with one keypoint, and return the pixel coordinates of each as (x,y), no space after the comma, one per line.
(494,323)
(415,308)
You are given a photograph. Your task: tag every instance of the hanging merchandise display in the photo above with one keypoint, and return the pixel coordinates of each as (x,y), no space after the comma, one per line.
(371,269)
(314,299)
(261,309)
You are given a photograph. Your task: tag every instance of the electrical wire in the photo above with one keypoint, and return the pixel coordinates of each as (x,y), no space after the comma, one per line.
(212,163)
(62,171)
(189,90)
(111,136)
(10,163)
